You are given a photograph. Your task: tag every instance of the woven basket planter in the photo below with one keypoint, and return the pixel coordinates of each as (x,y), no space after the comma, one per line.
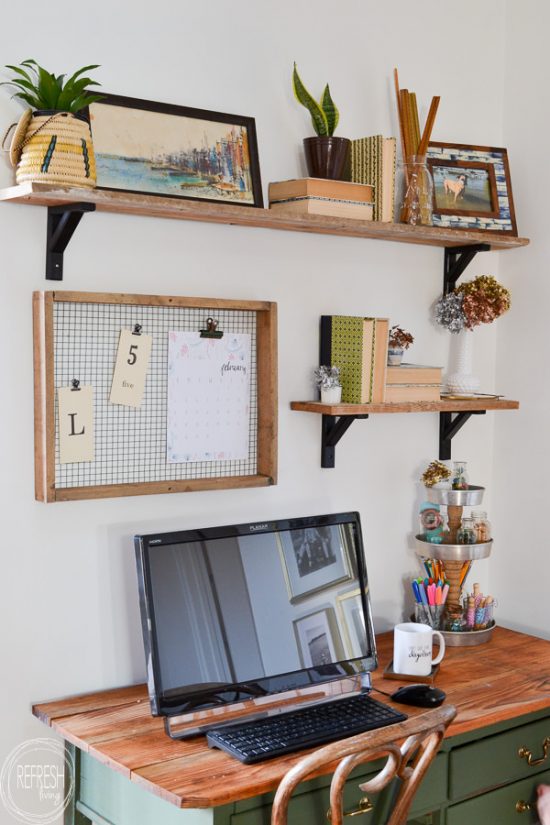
(54,147)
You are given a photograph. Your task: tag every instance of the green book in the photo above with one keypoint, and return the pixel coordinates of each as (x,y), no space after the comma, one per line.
(358,346)
(373,161)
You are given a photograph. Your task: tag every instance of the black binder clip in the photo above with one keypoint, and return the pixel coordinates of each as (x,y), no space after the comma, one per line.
(211,330)
(75,385)
(137,329)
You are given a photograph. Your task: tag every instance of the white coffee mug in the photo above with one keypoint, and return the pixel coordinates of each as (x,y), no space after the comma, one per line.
(412,648)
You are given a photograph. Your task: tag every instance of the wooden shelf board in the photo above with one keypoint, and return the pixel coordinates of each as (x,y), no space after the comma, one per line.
(42,194)
(405,407)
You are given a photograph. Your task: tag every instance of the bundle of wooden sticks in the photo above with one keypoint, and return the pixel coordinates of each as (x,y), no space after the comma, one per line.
(414,146)
(407,109)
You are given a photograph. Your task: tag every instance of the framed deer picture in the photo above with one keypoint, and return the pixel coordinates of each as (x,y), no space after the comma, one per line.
(472,188)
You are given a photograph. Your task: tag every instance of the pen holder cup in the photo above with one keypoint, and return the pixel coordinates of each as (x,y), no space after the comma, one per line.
(429,614)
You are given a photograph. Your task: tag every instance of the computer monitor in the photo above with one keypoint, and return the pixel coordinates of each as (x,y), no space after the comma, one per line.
(232,615)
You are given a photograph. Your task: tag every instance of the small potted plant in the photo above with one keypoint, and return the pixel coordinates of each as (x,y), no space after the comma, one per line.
(327,379)
(399,340)
(52,142)
(326,155)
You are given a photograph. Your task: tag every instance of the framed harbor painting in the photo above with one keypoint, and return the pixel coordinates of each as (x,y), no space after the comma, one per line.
(472,188)
(160,149)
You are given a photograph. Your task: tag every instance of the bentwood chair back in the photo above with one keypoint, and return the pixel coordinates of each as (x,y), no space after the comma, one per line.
(409,748)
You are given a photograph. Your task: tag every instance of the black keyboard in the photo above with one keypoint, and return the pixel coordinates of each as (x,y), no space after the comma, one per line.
(297,729)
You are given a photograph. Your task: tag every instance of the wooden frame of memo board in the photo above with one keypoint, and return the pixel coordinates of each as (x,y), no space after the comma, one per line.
(76,337)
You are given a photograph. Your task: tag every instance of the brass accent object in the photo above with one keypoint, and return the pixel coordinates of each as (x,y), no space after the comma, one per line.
(364,807)
(522,806)
(525,753)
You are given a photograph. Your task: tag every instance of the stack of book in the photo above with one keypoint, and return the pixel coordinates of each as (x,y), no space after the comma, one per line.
(373,161)
(412,382)
(358,346)
(320,196)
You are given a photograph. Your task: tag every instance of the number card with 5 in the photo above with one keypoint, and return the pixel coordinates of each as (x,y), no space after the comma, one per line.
(132,363)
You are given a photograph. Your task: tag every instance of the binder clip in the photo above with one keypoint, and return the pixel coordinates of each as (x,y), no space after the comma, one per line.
(211,330)
(75,385)
(137,329)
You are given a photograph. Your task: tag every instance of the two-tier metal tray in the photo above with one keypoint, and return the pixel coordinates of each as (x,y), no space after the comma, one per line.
(453,552)
(455,498)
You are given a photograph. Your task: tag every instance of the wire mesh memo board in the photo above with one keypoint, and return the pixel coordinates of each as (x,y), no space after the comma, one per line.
(76,336)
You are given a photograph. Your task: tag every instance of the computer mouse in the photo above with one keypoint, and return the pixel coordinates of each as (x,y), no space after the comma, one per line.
(423,696)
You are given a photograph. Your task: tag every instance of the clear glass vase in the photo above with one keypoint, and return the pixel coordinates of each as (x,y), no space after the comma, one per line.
(415,192)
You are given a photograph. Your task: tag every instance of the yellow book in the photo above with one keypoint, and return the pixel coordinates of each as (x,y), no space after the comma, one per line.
(412,392)
(321,188)
(324,206)
(414,374)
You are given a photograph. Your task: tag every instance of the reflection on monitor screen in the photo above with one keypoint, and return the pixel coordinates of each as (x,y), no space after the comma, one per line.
(246,611)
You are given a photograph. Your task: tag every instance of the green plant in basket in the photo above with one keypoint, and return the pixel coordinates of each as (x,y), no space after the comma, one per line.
(43,90)
(52,143)
(324,115)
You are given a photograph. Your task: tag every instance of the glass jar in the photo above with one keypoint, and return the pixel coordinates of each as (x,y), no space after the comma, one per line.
(459,476)
(466,533)
(455,622)
(415,192)
(482,525)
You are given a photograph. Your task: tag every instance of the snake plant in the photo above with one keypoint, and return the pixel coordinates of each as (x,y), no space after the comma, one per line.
(44,90)
(324,115)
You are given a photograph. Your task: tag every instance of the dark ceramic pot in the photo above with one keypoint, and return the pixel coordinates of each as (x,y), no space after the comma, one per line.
(327,157)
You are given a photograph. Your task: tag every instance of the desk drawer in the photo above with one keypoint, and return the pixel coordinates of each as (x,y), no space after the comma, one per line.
(499,807)
(310,803)
(495,760)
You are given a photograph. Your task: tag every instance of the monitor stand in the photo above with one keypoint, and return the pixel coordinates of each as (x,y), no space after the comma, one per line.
(199,722)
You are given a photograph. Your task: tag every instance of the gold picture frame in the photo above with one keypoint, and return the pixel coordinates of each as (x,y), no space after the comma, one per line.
(352,622)
(318,640)
(314,559)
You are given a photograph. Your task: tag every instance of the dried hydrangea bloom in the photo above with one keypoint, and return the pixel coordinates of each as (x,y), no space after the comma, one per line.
(449,312)
(484,300)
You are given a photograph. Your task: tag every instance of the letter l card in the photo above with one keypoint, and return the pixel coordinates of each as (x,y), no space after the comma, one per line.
(76,424)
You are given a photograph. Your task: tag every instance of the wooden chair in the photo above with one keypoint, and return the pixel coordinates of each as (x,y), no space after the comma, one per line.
(408,762)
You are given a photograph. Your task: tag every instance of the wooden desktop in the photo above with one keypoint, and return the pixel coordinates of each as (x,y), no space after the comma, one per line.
(128,772)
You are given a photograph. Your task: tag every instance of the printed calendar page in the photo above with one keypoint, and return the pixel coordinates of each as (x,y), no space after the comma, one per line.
(208,397)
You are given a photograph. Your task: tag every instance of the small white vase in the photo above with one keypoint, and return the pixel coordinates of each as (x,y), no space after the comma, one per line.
(462,381)
(395,356)
(331,395)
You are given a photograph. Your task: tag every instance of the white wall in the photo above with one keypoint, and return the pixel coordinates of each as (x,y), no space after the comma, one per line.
(68,594)
(520,568)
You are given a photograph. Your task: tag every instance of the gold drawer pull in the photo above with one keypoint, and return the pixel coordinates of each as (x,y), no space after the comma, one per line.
(522,806)
(364,807)
(525,753)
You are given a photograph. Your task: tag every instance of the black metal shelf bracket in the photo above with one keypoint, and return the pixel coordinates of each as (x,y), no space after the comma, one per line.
(448,428)
(456,260)
(62,222)
(333,429)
